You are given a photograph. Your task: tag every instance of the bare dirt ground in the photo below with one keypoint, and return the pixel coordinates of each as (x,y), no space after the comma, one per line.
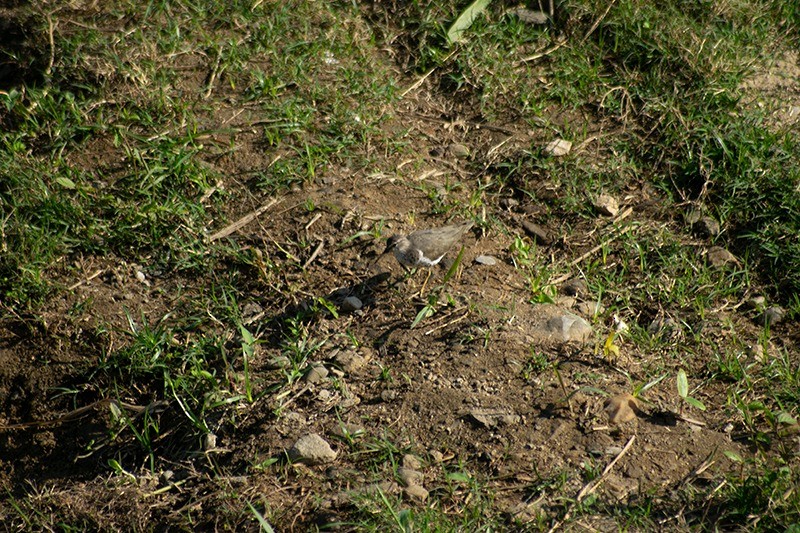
(419,389)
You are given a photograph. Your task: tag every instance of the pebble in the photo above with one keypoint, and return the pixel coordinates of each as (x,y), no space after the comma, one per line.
(707,227)
(351,303)
(590,309)
(388,395)
(558,148)
(350,361)
(529,16)
(539,233)
(607,205)
(412,461)
(209,442)
(665,327)
(316,374)
(508,203)
(621,408)
(311,449)
(410,477)
(774,314)
(569,327)
(487,260)
(459,150)
(416,492)
(490,418)
(575,287)
(757,302)
(719,257)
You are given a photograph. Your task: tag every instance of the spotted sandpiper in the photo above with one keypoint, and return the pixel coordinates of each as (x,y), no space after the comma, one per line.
(425,248)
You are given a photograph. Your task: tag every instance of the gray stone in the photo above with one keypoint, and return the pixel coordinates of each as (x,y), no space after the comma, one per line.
(539,233)
(278,362)
(707,227)
(529,16)
(311,449)
(459,150)
(350,361)
(575,287)
(351,303)
(558,148)
(412,461)
(720,257)
(490,418)
(607,205)
(410,477)
(569,327)
(316,374)
(774,314)
(416,492)
(487,260)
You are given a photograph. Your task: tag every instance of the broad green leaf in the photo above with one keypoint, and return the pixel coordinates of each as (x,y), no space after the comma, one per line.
(683,384)
(422,315)
(465,20)
(65,182)
(733,456)
(694,402)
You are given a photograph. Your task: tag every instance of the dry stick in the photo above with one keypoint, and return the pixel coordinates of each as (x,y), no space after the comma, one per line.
(87,280)
(545,52)
(80,413)
(245,220)
(314,254)
(52,58)
(614,235)
(425,76)
(592,485)
(214,73)
(597,22)
(455,321)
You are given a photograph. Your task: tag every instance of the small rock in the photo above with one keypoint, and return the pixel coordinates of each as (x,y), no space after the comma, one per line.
(693,216)
(410,476)
(575,287)
(529,16)
(412,461)
(508,203)
(606,205)
(316,374)
(416,492)
(569,327)
(388,395)
(437,456)
(487,260)
(539,233)
(278,362)
(720,257)
(757,302)
(350,361)
(351,303)
(774,314)
(311,449)
(707,227)
(490,418)
(166,476)
(558,148)
(664,327)
(209,442)
(621,408)
(565,301)
(459,150)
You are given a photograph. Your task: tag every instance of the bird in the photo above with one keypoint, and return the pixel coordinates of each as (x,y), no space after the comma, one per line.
(425,248)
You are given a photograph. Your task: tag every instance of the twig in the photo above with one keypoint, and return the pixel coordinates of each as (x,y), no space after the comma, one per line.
(621,217)
(454,321)
(592,485)
(214,73)
(245,220)
(425,76)
(597,22)
(52,58)
(87,280)
(313,220)
(545,52)
(314,254)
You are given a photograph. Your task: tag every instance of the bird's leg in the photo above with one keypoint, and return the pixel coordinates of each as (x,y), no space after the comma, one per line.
(424,283)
